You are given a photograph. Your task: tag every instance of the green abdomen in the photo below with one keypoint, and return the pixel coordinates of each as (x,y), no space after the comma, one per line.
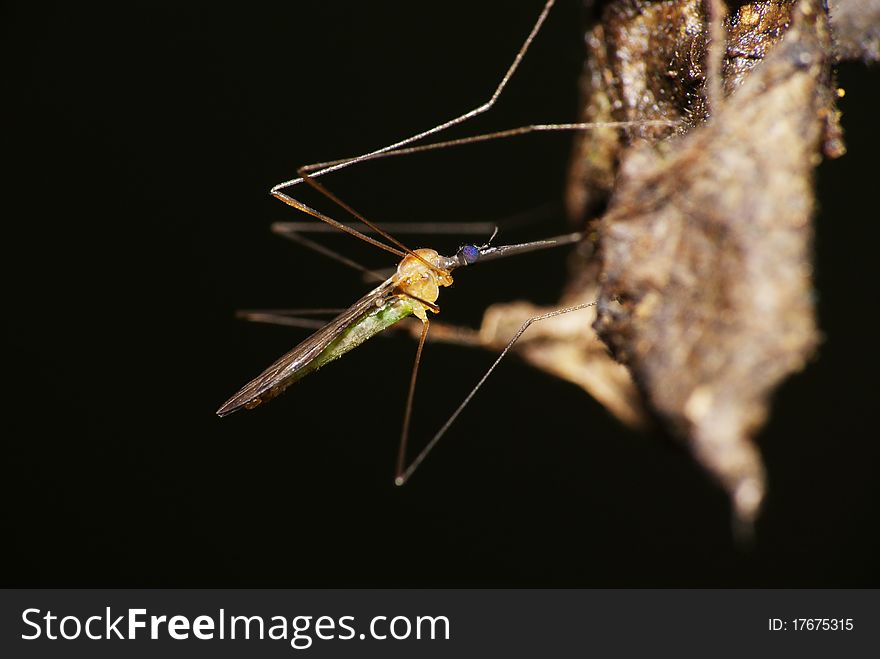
(366,327)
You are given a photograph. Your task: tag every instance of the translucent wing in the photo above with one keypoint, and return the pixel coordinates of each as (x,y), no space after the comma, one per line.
(274,379)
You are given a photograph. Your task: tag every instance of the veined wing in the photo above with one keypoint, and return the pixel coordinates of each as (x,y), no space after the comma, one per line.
(254,392)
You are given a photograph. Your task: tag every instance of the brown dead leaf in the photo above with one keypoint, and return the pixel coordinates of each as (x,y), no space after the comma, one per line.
(707,245)
(856,28)
(703,273)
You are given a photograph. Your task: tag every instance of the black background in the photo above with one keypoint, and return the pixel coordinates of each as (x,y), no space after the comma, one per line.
(142,142)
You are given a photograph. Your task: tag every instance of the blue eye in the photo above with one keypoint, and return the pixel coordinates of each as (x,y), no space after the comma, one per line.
(470,254)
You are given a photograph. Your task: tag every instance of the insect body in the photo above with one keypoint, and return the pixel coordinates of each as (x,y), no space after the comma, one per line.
(412,290)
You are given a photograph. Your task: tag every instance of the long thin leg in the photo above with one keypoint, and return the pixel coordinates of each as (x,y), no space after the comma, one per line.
(407,414)
(483,137)
(351,211)
(529,217)
(287,317)
(441,332)
(414,228)
(448,124)
(290,201)
(284,230)
(404,475)
(344,227)
(308,173)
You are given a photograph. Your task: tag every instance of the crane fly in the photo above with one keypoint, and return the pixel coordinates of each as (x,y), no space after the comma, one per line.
(412,290)
(414,287)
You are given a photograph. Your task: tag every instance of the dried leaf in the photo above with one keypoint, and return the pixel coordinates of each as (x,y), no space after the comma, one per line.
(856,28)
(704,269)
(707,245)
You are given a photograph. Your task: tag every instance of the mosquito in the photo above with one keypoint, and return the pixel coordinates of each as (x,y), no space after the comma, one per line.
(413,289)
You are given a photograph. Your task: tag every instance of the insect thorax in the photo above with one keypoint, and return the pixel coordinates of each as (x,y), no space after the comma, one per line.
(416,279)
